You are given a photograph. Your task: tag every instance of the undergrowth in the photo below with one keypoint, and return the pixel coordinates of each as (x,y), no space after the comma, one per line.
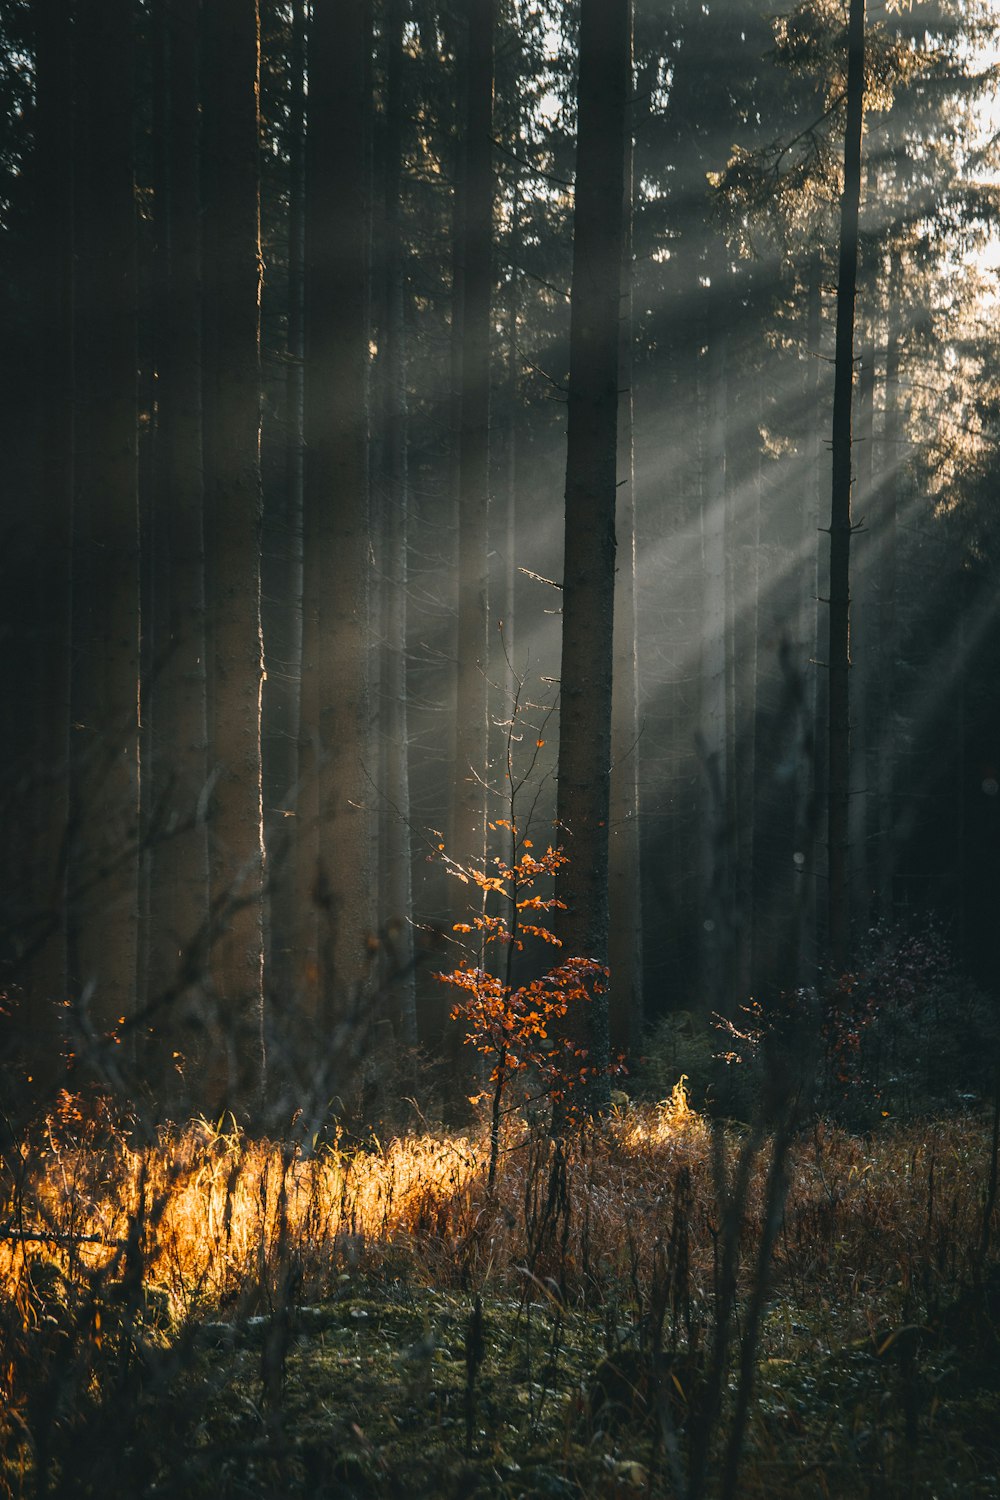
(208,1314)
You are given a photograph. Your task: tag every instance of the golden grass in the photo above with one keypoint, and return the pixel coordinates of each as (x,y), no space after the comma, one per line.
(103,1240)
(214,1213)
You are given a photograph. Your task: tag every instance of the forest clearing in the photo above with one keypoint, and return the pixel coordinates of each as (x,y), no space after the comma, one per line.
(500,781)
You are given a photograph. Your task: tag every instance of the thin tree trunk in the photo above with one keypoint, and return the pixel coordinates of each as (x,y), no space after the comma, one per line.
(280,707)
(715,730)
(864,640)
(839,652)
(105,689)
(178,904)
(808,770)
(334,846)
(743,611)
(889,493)
(505,426)
(232,549)
(624,878)
(50,604)
(396,872)
(583,802)
(476,284)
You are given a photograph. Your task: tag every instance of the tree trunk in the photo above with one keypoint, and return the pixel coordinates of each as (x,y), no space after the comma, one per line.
(715,740)
(476,290)
(839,651)
(232,532)
(808,771)
(888,647)
(743,615)
(864,639)
(396,874)
(48,605)
(591,481)
(624,878)
(334,853)
(283,631)
(178,906)
(105,689)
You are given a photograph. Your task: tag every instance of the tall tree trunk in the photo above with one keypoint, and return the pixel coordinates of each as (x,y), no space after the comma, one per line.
(582,808)
(889,494)
(105,688)
(839,651)
(864,638)
(624,878)
(715,738)
(232,550)
(505,430)
(396,873)
(333,812)
(178,905)
(743,611)
(49,604)
(283,633)
(476,290)
(808,770)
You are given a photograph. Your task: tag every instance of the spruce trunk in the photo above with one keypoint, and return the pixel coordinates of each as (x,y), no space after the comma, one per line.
(841,525)
(583,800)
(334,846)
(232,547)
(103,896)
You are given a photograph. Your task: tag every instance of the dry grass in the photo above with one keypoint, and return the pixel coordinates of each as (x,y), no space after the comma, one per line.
(203,1223)
(218,1210)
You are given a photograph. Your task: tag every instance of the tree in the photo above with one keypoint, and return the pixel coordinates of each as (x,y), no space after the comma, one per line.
(841,523)
(624,863)
(472,310)
(582,808)
(104,793)
(281,537)
(178,773)
(333,844)
(394,842)
(52,248)
(232,525)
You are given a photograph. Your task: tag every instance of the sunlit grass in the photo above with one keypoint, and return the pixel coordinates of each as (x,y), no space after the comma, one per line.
(214,1211)
(121,1256)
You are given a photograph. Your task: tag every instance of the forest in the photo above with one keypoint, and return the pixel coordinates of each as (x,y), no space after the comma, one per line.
(500,787)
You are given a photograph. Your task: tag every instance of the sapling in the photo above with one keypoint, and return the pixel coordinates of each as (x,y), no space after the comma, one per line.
(513,1024)
(516,1025)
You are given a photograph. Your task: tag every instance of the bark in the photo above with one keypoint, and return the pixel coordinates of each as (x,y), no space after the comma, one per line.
(624,878)
(334,849)
(476,289)
(715,733)
(178,906)
(841,525)
(103,884)
(591,479)
(864,640)
(888,645)
(503,519)
(42,926)
(808,775)
(232,550)
(283,630)
(743,617)
(396,895)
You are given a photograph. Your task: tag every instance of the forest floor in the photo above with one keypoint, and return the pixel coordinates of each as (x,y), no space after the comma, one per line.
(213,1316)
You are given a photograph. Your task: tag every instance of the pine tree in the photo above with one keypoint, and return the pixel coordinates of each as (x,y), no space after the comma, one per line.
(333,813)
(591,486)
(231,435)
